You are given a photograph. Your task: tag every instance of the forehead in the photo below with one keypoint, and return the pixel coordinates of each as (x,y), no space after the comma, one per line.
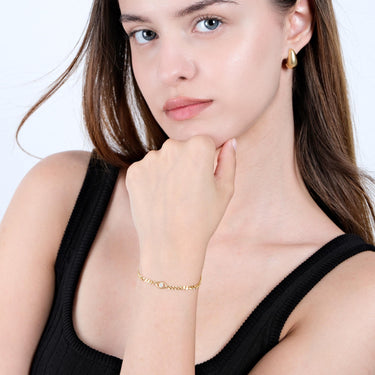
(175,8)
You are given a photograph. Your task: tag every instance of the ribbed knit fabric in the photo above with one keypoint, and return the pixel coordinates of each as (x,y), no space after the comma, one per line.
(61,352)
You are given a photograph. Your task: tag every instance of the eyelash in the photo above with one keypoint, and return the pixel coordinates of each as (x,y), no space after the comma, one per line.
(199,19)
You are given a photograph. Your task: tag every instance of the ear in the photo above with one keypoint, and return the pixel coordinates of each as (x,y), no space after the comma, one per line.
(299,26)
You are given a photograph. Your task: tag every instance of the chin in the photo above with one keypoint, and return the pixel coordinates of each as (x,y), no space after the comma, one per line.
(185,130)
(218,141)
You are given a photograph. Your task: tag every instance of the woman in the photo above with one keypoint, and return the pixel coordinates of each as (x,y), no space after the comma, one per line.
(186,254)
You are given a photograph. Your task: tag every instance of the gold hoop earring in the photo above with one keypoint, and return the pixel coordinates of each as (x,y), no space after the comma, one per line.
(292,60)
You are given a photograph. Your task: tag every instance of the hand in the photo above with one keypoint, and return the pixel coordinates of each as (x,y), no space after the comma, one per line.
(177,200)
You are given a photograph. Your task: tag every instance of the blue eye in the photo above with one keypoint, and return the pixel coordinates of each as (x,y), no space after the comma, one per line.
(204,24)
(143,36)
(209,24)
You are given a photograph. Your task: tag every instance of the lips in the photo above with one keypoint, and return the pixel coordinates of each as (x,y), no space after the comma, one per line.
(183,108)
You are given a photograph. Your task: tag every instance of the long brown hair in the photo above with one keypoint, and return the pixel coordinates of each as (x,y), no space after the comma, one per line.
(122,128)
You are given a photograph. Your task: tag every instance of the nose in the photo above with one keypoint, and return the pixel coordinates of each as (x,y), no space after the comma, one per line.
(175,63)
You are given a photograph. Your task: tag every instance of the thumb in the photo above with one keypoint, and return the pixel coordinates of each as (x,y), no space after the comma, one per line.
(226,165)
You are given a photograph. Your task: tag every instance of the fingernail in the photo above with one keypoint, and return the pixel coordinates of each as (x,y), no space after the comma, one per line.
(234,143)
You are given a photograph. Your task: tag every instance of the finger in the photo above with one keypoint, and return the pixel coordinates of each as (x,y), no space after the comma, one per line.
(226,166)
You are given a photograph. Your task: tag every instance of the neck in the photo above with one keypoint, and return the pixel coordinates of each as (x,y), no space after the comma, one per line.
(271,204)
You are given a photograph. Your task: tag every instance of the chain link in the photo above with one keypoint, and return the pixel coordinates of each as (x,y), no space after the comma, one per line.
(164,285)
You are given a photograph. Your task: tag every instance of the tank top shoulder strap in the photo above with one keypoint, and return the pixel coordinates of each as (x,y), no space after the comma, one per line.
(88,211)
(298,283)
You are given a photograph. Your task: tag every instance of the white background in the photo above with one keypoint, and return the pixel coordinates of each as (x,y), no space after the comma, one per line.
(38,37)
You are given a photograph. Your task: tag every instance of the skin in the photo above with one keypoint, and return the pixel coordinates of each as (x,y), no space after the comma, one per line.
(261,221)
(251,102)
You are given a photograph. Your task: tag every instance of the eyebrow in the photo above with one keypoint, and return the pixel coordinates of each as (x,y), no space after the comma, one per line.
(181,13)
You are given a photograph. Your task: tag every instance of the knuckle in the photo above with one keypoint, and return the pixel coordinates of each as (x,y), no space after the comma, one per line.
(150,154)
(203,141)
(129,178)
(169,143)
(168,149)
(149,157)
(131,171)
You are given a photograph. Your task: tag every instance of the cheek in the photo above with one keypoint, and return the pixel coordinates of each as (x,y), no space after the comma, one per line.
(251,71)
(143,69)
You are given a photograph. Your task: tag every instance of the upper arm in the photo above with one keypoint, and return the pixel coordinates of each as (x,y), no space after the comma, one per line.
(30,235)
(337,335)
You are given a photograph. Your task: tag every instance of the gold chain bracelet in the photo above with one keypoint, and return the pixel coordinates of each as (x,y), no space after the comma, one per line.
(164,285)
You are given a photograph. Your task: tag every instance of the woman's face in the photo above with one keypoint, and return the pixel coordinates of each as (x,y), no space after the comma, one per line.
(227,53)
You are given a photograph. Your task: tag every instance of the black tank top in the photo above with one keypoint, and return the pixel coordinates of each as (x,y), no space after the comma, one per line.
(60,351)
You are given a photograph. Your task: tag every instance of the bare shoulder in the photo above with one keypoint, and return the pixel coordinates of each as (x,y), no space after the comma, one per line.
(51,186)
(350,284)
(63,172)
(52,171)
(336,331)
(47,193)
(30,235)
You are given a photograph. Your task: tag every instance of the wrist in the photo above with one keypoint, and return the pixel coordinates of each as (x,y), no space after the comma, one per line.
(161,284)
(169,273)
(173,266)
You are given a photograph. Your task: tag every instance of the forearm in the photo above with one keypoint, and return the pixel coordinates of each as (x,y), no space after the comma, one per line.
(161,339)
